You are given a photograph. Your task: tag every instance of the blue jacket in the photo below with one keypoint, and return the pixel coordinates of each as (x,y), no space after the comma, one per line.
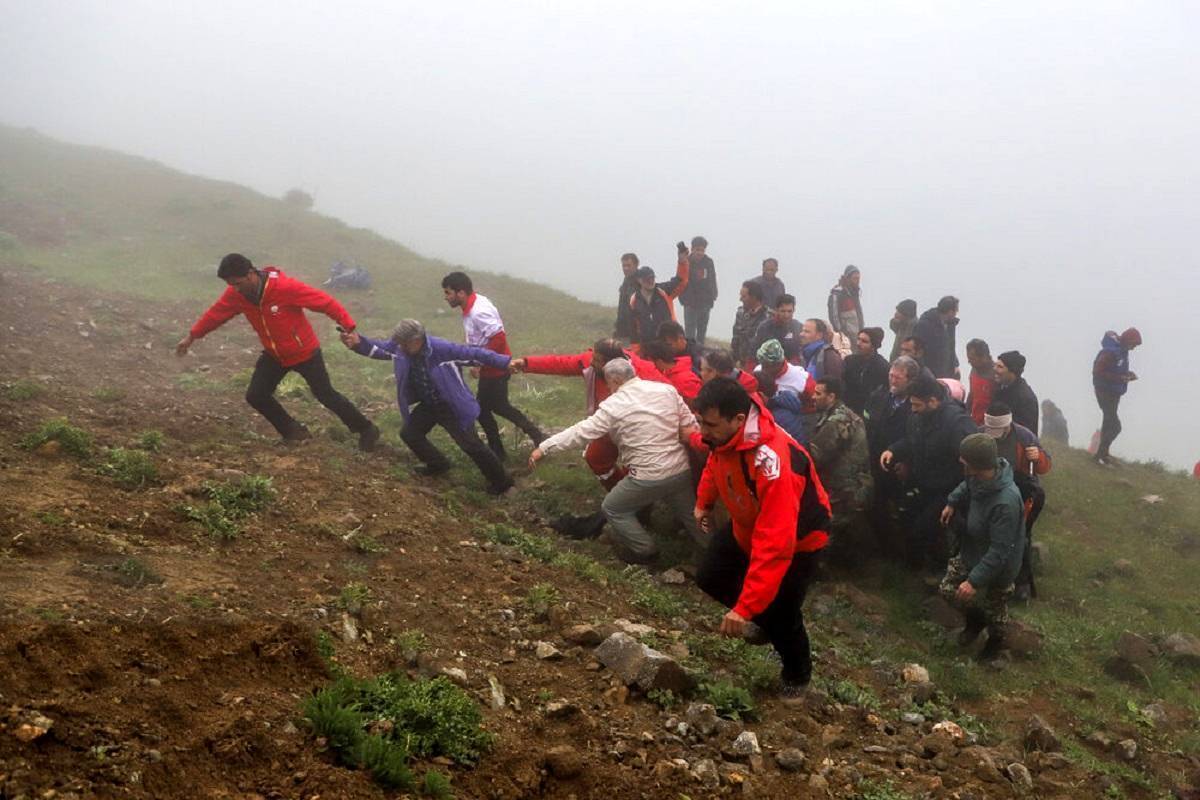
(788,410)
(444,359)
(1110,366)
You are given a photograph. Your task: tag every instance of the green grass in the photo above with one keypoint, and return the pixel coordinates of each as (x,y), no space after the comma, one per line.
(230,503)
(131,469)
(23,390)
(110,394)
(730,700)
(151,441)
(71,439)
(353,597)
(881,790)
(541,598)
(134,573)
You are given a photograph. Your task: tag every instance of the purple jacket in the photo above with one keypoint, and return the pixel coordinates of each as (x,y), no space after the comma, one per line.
(445,359)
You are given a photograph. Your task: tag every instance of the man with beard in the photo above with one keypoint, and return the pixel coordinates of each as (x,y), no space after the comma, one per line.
(623,329)
(274,304)
(936,329)
(759,564)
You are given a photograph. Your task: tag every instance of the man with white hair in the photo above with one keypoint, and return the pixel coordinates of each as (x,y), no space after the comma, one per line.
(649,422)
(430,391)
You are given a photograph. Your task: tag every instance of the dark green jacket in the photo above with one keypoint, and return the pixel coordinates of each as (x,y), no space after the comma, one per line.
(994,539)
(838,446)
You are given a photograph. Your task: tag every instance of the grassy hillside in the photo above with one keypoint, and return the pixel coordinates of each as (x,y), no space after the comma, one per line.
(1116,561)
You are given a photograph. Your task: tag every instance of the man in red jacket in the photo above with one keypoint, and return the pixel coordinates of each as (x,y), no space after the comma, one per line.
(760,564)
(274,306)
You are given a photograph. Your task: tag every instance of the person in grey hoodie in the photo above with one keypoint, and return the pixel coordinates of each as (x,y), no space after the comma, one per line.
(979,578)
(902,324)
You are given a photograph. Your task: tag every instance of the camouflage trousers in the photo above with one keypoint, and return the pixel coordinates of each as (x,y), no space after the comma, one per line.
(992,603)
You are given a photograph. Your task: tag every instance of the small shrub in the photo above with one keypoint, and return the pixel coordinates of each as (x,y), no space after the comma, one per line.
(851,694)
(411,642)
(537,547)
(334,719)
(109,394)
(386,760)
(872,790)
(436,785)
(75,441)
(649,596)
(353,597)
(730,701)
(151,441)
(23,390)
(540,598)
(663,698)
(132,573)
(243,497)
(213,519)
(132,469)
(367,544)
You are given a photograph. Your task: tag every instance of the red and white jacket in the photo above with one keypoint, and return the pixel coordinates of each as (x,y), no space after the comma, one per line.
(278,318)
(775,499)
(484,328)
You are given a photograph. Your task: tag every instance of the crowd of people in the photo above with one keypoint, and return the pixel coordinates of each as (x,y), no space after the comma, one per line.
(813,442)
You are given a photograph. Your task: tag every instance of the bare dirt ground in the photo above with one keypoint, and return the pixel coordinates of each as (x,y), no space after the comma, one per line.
(185,680)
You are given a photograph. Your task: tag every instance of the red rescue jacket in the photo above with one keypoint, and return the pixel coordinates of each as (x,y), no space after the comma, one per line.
(581,364)
(278,319)
(775,499)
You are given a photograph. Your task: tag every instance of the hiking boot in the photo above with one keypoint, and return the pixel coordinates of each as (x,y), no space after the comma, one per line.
(993,647)
(975,625)
(794,694)
(755,635)
(501,490)
(588,526)
(368,438)
(298,433)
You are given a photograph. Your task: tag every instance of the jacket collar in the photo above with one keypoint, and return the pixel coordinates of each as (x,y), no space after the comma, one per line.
(467,306)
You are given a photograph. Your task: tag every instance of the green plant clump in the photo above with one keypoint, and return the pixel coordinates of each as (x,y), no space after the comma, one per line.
(730,701)
(151,441)
(75,441)
(540,598)
(353,597)
(132,469)
(23,390)
(229,503)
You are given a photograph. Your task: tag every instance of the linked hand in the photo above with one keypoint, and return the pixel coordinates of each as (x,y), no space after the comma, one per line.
(181,349)
(350,339)
(733,625)
(475,372)
(536,456)
(947,515)
(516,365)
(965,593)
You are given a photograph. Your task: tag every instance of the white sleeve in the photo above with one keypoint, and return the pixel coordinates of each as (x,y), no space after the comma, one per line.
(590,429)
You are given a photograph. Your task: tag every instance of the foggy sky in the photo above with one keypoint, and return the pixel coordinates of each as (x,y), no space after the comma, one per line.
(1038,162)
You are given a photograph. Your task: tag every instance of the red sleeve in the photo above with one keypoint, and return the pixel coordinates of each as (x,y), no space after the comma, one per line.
(298,293)
(499,343)
(217,315)
(773,542)
(748,381)
(646,370)
(1042,465)
(682,271)
(686,382)
(558,364)
(706,491)
(981,397)
(810,387)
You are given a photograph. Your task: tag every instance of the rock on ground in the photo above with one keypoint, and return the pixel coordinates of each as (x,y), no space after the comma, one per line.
(635,663)
(1040,736)
(564,762)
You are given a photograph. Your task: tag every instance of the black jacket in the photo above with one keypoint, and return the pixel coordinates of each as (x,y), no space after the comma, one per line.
(938,339)
(930,447)
(1023,402)
(862,375)
(886,421)
(624,326)
(701,291)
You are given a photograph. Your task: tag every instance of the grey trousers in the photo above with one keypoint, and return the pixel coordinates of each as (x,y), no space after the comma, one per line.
(631,495)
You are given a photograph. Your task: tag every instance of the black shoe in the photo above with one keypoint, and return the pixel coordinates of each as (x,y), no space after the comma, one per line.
(430,471)
(793,691)
(298,433)
(975,625)
(585,527)
(501,489)
(993,647)
(368,438)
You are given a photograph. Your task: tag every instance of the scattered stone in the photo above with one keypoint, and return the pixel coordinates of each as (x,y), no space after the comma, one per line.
(561,709)
(936,744)
(1100,739)
(456,675)
(546,651)
(1136,650)
(668,768)
(1127,749)
(833,737)
(922,693)
(818,784)
(672,577)
(496,691)
(1155,714)
(702,717)
(34,727)
(583,635)
(1018,773)
(951,729)
(558,616)
(1152,499)
(154,756)
(744,746)
(564,762)
(1183,648)
(1040,736)
(1124,567)
(791,759)
(912,718)
(1022,639)
(914,673)
(633,628)
(705,771)
(876,749)
(635,663)
(349,628)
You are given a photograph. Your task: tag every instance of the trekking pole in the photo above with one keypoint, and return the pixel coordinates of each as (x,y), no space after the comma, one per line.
(1029,541)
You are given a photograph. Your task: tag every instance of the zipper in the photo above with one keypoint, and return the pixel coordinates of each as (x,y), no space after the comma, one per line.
(262,315)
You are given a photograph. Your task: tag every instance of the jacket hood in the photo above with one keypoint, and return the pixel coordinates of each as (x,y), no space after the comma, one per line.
(1111,341)
(1003,478)
(759,427)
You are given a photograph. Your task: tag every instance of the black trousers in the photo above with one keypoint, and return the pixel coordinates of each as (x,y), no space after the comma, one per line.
(493,400)
(415,434)
(926,541)
(1110,427)
(268,373)
(721,575)
(1025,576)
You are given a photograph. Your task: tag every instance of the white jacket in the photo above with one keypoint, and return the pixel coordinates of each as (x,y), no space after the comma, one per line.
(643,418)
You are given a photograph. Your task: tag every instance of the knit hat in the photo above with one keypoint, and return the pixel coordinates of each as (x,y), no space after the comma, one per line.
(996,426)
(644,272)
(1013,360)
(979,451)
(850,270)
(907,307)
(771,352)
(1131,338)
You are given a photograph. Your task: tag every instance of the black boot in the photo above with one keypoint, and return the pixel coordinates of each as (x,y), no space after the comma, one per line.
(585,527)
(976,622)
(994,645)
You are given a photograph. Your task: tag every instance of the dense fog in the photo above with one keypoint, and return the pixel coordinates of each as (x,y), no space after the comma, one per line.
(1037,160)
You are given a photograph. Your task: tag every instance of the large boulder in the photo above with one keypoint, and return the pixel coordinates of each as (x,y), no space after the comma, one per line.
(1182,648)
(640,665)
(1040,736)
